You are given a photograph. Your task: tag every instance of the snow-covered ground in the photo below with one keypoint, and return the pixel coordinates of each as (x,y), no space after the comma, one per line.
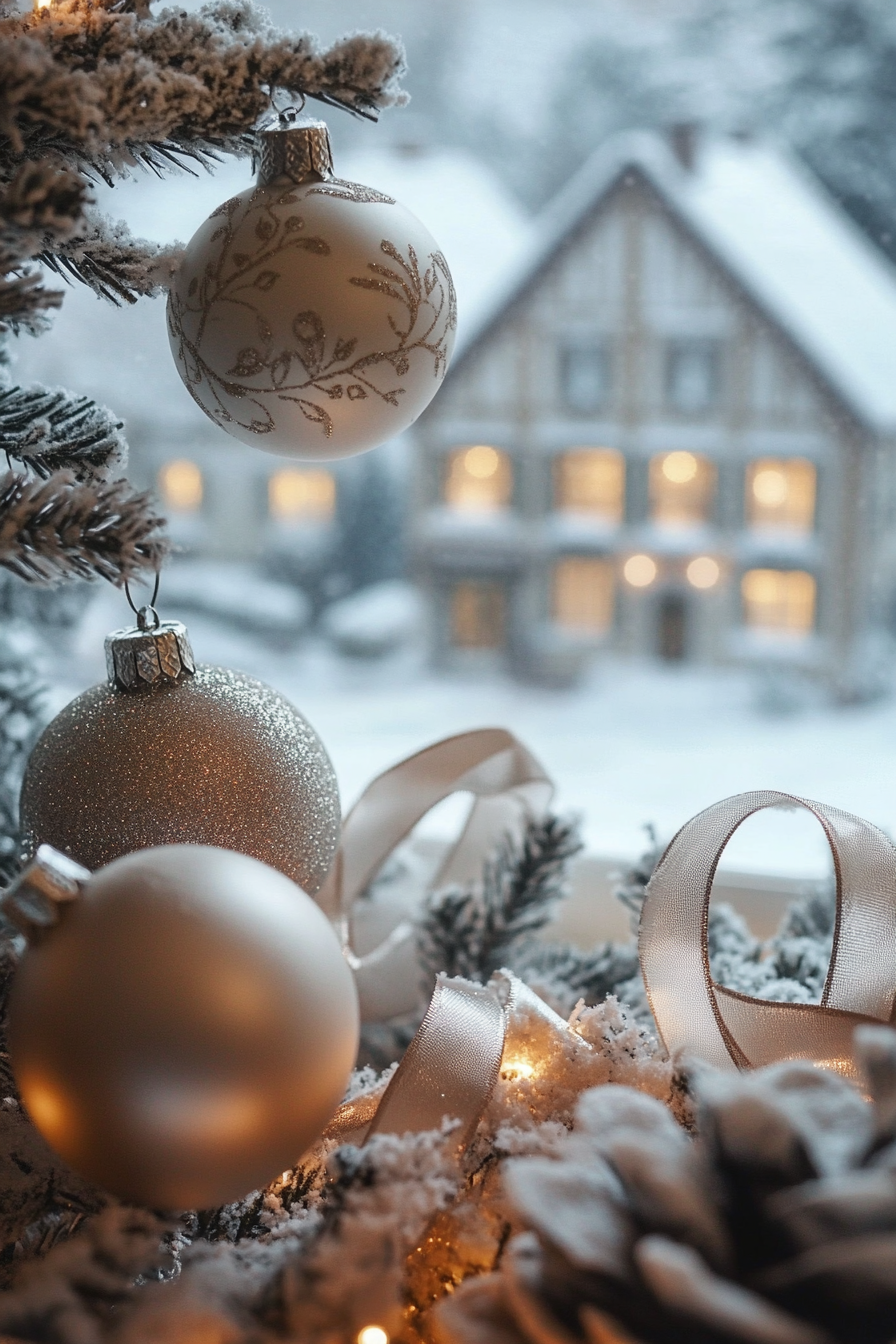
(635,744)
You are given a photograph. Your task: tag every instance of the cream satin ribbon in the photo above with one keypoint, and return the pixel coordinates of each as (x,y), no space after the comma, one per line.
(449,1070)
(508,785)
(698,1017)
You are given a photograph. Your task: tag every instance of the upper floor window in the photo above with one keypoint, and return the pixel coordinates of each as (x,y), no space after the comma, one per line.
(585,376)
(478,478)
(591,480)
(780,600)
(693,376)
(583,591)
(299,495)
(781,494)
(681,488)
(180,484)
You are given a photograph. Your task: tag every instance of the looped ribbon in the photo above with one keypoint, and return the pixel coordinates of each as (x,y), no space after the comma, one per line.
(696,1016)
(508,785)
(451,1066)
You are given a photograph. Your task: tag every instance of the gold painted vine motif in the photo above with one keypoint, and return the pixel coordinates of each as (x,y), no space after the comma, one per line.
(314,371)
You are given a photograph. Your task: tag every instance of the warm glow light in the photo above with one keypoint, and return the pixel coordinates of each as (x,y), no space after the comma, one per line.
(481,461)
(373,1334)
(679,468)
(294,494)
(42,4)
(478,479)
(517,1068)
(46,1106)
(776,599)
(640,571)
(770,487)
(181,485)
(591,480)
(781,494)
(703,572)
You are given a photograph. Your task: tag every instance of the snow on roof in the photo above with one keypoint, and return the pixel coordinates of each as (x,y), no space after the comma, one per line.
(120,356)
(778,232)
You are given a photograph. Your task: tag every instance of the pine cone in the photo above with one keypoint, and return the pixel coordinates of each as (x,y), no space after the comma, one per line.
(776,1224)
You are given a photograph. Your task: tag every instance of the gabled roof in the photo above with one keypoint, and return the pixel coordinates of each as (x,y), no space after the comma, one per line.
(780,236)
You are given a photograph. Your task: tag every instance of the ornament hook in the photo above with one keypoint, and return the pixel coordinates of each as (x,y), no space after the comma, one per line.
(287,115)
(141,612)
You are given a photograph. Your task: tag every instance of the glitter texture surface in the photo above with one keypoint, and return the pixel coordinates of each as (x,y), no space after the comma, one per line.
(220,759)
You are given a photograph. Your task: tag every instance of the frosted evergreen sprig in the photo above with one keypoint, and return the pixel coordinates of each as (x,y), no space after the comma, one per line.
(90,83)
(62,528)
(111,262)
(471,930)
(50,430)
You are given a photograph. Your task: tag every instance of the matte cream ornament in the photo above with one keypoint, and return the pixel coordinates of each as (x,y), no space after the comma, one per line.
(166,752)
(182,1025)
(311,316)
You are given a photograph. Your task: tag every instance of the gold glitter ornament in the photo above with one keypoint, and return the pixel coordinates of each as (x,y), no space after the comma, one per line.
(311,316)
(183,1023)
(166,753)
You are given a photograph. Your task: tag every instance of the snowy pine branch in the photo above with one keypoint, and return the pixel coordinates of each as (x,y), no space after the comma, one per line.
(74,1291)
(61,529)
(24,302)
(51,430)
(92,84)
(469,931)
(115,265)
(21,705)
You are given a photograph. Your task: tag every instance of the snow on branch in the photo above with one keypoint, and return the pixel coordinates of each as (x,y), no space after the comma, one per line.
(115,265)
(62,528)
(95,85)
(52,430)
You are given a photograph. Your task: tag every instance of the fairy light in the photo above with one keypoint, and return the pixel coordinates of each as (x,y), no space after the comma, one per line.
(679,468)
(703,572)
(640,571)
(372,1334)
(517,1068)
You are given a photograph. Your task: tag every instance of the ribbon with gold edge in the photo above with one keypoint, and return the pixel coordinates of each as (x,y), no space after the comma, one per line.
(508,784)
(730,1030)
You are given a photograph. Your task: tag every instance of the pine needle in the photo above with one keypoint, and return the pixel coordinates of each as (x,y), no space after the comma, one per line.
(470,931)
(51,430)
(62,528)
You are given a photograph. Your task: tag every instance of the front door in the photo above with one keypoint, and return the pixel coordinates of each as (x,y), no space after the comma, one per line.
(672,632)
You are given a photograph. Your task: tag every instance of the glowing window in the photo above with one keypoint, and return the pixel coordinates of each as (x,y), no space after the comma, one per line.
(294,495)
(781,494)
(592,480)
(478,614)
(681,488)
(479,478)
(583,594)
(779,599)
(692,376)
(180,483)
(585,376)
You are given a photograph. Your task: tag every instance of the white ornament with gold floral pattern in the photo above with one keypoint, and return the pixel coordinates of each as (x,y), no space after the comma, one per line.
(311,317)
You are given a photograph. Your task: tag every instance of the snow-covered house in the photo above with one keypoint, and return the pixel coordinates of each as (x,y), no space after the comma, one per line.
(674,431)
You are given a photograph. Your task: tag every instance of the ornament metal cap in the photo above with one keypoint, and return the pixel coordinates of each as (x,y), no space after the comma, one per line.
(150,654)
(51,880)
(295,149)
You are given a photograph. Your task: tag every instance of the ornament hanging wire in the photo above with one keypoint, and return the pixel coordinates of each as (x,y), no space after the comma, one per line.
(147,616)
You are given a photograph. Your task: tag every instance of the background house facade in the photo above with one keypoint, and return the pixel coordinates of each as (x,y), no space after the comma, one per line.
(674,432)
